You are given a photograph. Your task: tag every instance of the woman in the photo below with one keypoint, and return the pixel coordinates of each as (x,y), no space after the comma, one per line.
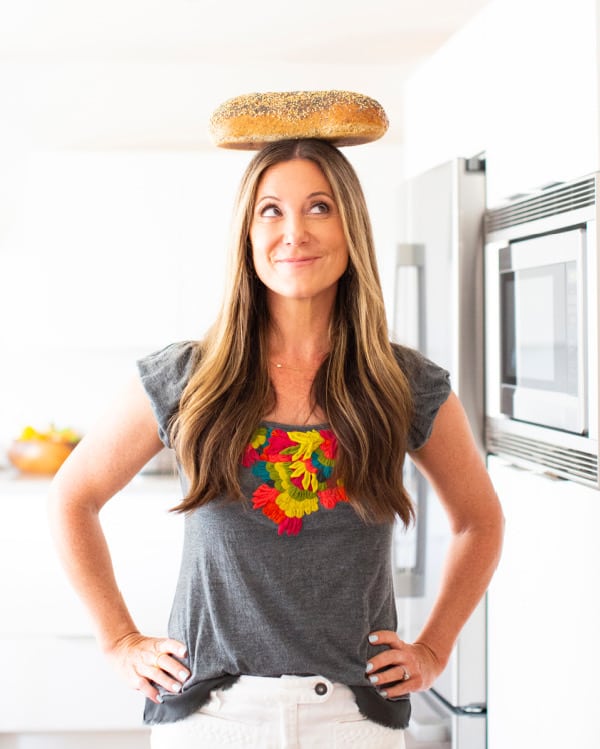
(291,421)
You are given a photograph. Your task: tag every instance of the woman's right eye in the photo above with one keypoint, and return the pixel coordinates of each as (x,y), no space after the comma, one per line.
(269,211)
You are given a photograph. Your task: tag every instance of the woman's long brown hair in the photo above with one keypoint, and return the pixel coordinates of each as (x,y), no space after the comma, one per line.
(359,386)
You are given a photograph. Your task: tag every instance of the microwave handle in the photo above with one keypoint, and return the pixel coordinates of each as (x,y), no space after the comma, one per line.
(409,295)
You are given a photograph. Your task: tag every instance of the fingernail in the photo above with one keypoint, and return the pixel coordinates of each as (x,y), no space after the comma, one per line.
(373,679)
(382,692)
(181,653)
(176,686)
(159,698)
(373,638)
(183,675)
(369,667)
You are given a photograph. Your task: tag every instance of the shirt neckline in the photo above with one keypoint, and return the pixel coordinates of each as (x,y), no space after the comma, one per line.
(294,427)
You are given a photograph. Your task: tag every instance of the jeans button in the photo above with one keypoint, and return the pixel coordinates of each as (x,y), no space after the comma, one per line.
(321,688)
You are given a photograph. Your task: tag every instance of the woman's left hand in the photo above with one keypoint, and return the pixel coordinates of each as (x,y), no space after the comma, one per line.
(408,667)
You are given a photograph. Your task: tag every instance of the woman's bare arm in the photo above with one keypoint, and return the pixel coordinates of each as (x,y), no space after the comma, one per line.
(106,459)
(452,464)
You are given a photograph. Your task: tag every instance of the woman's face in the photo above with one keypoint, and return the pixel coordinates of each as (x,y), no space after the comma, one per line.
(298,244)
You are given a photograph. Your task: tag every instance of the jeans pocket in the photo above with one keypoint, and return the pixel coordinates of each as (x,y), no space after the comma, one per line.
(359,731)
(208,730)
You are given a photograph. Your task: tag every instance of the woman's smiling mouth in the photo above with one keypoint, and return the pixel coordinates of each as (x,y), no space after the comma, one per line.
(296,260)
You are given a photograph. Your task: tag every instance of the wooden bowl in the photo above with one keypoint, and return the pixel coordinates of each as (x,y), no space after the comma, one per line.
(39,456)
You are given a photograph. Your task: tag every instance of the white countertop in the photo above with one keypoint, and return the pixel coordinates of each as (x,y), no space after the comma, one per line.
(13,482)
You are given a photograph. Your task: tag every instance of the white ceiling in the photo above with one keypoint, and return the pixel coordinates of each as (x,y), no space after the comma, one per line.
(148,73)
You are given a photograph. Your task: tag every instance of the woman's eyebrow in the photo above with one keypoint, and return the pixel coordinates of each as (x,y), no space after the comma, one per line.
(267,197)
(308,197)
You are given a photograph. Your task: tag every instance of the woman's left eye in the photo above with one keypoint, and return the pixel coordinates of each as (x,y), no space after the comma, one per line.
(319,207)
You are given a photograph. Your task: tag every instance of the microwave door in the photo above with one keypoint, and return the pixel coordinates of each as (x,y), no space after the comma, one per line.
(542,249)
(543,331)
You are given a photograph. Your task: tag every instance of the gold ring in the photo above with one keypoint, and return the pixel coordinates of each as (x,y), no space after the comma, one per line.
(156,664)
(406,675)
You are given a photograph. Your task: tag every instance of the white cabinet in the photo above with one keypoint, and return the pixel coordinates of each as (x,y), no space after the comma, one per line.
(520,82)
(543,95)
(59,680)
(544,615)
(63,684)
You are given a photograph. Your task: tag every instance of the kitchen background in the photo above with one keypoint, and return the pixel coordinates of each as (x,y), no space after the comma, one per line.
(113,222)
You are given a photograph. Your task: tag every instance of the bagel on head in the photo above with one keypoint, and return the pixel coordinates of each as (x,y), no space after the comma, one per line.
(343,118)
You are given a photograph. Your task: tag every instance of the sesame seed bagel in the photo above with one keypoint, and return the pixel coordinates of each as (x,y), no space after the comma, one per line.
(343,118)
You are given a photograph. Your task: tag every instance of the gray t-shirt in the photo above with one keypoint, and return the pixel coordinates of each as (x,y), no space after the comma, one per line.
(290,580)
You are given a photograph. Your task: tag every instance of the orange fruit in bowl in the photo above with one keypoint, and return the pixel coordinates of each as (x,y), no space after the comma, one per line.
(38,456)
(42,452)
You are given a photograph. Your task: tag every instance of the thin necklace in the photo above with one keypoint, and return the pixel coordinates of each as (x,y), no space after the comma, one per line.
(280,365)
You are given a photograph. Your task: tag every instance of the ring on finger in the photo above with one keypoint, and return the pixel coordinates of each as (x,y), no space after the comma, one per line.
(405,675)
(156,661)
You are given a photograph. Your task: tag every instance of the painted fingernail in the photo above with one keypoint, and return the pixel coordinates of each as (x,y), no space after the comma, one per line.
(159,698)
(373,679)
(176,686)
(373,638)
(181,653)
(382,692)
(183,675)
(369,667)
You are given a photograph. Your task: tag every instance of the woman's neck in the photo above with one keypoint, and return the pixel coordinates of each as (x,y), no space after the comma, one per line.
(299,331)
(298,342)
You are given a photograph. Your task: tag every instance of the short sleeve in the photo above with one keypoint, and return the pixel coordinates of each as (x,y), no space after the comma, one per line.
(430,387)
(164,375)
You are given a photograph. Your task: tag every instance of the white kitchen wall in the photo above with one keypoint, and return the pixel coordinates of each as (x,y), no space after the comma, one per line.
(105,256)
(108,255)
(520,81)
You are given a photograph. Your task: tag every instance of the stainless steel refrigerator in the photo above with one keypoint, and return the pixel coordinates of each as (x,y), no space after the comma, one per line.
(438,309)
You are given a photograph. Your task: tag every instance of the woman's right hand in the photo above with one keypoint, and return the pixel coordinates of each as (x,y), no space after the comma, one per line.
(146,662)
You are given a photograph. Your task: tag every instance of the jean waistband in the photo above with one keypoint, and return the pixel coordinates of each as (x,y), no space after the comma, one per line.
(299,689)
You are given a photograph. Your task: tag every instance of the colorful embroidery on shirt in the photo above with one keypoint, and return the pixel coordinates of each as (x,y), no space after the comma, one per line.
(296,469)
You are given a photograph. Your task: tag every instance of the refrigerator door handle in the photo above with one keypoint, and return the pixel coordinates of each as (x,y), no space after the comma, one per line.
(409,327)
(409,560)
(409,295)
(472,710)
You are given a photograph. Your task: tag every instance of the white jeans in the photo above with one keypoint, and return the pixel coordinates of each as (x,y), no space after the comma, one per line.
(290,712)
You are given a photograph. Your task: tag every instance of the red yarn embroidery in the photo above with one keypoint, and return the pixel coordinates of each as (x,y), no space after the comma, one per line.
(296,468)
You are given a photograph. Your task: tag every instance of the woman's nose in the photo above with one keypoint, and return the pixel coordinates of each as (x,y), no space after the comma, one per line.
(295,232)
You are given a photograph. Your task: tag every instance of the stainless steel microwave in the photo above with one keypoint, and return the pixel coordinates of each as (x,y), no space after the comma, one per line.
(541,323)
